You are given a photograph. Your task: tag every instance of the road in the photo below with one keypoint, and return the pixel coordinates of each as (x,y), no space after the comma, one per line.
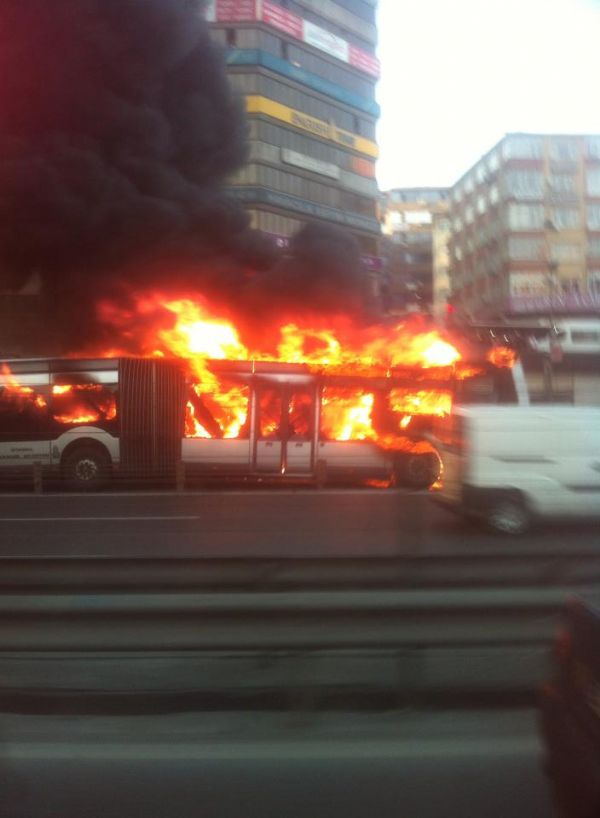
(261,523)
(409,764)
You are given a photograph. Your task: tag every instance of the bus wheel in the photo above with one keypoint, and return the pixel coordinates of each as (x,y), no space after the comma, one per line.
(87,468)
(508,515)
(422,470)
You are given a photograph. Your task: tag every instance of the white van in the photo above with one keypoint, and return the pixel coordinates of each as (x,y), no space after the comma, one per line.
(509,465)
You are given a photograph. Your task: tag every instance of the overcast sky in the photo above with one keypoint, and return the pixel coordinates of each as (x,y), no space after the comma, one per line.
(459,74)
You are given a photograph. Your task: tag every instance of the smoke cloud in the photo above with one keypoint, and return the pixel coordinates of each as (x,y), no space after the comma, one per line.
(322,272)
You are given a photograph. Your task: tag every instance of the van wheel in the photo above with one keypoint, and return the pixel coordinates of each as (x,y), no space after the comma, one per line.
(87,469)
(508,515)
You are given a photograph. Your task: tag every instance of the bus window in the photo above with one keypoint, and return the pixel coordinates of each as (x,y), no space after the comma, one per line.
(23,412)
(300,415)
(219,413)
(81,403)
(346,414)
(269,414)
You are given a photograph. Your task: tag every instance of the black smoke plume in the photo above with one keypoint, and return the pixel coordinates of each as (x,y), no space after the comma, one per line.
(117,127)
(322,272)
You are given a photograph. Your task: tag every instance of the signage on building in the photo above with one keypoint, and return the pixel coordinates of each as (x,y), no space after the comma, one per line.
(363,61)
(363,167)
(241,11)
(559,303)
(326,41)
(235,11)
(256,104)
(282,19)
(301,160)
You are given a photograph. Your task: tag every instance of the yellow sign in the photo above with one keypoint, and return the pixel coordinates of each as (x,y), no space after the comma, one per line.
(326,130)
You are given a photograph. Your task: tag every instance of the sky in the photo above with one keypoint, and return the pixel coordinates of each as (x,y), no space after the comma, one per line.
(456,75)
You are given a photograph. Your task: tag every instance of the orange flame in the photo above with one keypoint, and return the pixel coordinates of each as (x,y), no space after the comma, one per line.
(186,328)
(502,356)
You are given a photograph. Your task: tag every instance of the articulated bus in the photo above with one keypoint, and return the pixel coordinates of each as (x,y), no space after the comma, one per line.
(86,420)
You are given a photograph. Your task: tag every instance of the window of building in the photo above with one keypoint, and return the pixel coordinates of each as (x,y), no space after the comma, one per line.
(594,281)
(594,247)
(417,217)
(231,37)
(565,218)
(480,173)
(527,283)
(524,249)
(457,224)
(593,217)
(592,144)
(562,183)
(526,216)
(564,150)
(582,336)
(469,185)
(569,285)
(523,147)
(566,252)
(481,205)
(592,182)
(493,162)
(469,214)
(525,184)
(494,194)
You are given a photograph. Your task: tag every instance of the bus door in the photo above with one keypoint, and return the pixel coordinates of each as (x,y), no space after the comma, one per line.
(285,428)
(24,419)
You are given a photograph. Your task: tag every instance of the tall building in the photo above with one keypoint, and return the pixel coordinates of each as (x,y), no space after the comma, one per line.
(411,219)
(525,223)
(308,70)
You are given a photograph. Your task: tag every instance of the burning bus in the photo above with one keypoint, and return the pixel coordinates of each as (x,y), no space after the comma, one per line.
(87,419)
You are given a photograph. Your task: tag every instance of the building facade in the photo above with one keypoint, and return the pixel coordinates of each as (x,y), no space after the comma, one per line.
(307,70)
(525,230)
(414,225)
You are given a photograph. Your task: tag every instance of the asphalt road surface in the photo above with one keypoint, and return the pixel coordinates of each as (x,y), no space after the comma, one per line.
(405,765)
(251,522)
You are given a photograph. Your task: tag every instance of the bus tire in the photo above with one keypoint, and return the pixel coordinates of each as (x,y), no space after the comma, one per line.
(86,468)
(422,470)
(508,514)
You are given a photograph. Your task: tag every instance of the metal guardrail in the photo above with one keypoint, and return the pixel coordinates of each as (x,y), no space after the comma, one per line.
(463,570)
(232,628)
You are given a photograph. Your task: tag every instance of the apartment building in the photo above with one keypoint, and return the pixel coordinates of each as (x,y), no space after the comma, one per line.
(414,224)
(525,230)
